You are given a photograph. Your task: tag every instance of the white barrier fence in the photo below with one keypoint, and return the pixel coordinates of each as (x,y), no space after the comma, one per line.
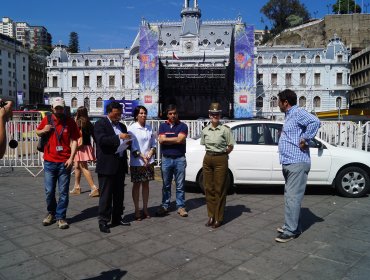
(346,133)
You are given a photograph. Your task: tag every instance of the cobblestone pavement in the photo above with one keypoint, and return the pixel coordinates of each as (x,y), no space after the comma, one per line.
(335,243)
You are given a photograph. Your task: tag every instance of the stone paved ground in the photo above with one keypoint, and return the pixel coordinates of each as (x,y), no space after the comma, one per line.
(334,245)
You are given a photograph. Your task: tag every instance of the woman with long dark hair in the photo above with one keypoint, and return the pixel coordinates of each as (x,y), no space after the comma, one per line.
(143,149)
(84,153)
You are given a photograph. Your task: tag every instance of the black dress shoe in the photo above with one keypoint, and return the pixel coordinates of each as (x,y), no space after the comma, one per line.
(210,222)
(104,228)
(120,223)
(217,224)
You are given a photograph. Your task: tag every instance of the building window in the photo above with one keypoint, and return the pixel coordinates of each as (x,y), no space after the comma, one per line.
(87,81)
(303,59)
(339,78)
(288,79)
(111,62)
(99,81)
(259,79)
(288,59)
(123,81)
(74,63)
(259,102)
(317,102)
(86,62)
(55,62)
(74,102)
(274,102)
(340,58)
(302,79)
(137,76)
(274,60)
(24,68)
(98,62)
(24,86)
(259,60)
(111,81)
(338,102)
(274,79)
(87,103)
(55,82)
(317,79)
(24,60)
(99,102)
(317,59)
(74,81)
(302,101)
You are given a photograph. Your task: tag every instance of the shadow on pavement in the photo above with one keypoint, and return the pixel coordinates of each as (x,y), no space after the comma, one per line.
(234,211)
(112,274)
(308,218)
(85,214)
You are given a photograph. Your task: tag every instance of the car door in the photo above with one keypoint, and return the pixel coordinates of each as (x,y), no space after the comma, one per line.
(250,161)
(320,162)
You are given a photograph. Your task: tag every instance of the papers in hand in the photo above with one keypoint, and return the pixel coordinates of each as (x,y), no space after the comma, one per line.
(123,146)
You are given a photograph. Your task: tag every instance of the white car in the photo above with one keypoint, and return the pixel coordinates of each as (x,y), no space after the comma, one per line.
(255,160)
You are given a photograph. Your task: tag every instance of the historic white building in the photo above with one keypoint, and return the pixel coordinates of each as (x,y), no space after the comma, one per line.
(319,76)
(86,79)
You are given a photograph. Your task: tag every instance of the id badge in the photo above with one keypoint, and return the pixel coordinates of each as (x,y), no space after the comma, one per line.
(59,148)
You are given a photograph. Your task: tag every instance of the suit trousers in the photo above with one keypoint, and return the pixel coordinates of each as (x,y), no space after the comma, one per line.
(215,170)
(111,189)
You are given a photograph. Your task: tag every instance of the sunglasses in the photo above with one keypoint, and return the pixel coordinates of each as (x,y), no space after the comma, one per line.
(215,114)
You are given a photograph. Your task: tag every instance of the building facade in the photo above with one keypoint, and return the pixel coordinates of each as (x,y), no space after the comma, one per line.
(319,76)
(14,75)
(360,80)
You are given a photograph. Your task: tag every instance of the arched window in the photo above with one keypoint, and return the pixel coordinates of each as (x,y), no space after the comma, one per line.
(260,60)
(111,62)
(112,98)
(86,62)
(338,102)
(87,103)
(74,63)
(303,59)
(55,62)
(274,101)
(288,59)
(317,59)
(274,60)
(302,101)
(99,102)
(74,102)
(98,62)
(317,102)
(259,102)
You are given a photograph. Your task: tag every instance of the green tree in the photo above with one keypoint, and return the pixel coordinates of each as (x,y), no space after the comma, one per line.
(284,14)
(346,7)
(73,46)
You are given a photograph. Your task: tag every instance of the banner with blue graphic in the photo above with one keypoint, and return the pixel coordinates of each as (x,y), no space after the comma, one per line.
(149,68)
(128,107)
(244,88)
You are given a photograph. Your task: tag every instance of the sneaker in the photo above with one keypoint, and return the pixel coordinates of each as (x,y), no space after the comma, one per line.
(279,230)
(48,220)
(282,237)
(182,212)
(161,211)
(62,224)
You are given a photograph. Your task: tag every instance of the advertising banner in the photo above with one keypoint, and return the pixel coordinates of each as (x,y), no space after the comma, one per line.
(244,88)
(19,98)
(149,68)
(128,107)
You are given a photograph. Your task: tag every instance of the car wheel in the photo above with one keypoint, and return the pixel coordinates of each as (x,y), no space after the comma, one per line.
(229,182)
(352,182)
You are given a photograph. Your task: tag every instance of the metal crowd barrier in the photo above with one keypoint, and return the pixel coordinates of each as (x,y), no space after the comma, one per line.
(346,133)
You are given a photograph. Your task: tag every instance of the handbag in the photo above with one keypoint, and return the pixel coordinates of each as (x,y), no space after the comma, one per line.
(44,139)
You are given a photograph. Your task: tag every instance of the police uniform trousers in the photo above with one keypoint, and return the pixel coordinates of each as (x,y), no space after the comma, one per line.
(215,168)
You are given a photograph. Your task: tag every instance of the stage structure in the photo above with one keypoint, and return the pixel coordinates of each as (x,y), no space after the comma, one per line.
(193,63)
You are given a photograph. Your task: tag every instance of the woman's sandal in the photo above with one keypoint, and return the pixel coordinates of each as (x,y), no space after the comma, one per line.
(146,215)
(94,192)
(138,216)
(75,191)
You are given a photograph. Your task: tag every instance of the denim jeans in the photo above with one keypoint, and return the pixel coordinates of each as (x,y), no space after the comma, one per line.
(173,168)
(56,172)
(295,185)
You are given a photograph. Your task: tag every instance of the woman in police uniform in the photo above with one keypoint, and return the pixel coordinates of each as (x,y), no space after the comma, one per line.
(219,142)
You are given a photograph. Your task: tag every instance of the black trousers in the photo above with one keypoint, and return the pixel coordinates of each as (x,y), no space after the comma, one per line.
(112,191)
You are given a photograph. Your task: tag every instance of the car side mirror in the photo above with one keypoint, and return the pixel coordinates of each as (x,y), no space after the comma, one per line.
(319,145)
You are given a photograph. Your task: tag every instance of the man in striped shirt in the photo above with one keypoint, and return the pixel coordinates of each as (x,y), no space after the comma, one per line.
(299,128)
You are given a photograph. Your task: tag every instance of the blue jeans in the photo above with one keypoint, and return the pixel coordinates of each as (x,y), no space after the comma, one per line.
(173,168)
(295,185)
(56,172)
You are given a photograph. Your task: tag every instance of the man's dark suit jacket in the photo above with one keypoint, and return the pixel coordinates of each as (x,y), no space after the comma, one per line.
(107,143)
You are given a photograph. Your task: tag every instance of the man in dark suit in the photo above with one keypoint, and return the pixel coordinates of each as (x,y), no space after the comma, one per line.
(111,136)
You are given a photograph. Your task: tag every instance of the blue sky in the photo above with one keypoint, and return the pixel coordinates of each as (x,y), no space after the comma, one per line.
(115,23)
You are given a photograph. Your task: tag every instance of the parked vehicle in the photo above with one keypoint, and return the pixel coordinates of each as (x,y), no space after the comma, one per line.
(255,160)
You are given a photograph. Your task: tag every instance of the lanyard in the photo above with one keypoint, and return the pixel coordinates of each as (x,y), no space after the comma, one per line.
(59,135)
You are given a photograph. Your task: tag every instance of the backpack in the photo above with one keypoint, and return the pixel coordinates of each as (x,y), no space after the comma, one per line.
(44,139)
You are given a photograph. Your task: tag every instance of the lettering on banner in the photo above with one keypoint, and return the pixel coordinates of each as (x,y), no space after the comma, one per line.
(242,99)
(148,99)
